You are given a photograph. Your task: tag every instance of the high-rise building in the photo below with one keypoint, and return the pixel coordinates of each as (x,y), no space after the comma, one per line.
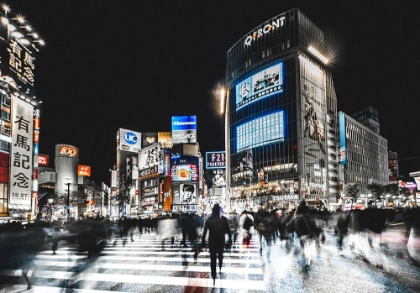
(281,116)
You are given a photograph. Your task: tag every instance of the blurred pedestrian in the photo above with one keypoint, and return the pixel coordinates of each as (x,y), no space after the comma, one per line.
(217,226)
(167,227)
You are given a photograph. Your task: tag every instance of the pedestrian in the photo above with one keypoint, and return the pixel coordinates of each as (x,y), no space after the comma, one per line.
(217,226)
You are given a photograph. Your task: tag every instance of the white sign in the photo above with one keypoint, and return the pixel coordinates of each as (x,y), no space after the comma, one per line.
(21,153)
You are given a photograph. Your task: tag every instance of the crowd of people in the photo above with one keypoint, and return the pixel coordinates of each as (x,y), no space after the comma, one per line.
(302,229)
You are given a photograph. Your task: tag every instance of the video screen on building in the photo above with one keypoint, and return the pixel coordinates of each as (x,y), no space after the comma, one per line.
(184,168)
(264,130)
(260,85)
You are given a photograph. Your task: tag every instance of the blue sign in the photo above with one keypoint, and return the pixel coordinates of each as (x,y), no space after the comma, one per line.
(130,138)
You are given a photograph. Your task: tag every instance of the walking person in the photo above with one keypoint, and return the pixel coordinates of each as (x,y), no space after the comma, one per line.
(217,226)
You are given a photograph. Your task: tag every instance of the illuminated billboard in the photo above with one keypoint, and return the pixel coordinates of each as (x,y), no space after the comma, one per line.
(165,139)
(313,97)
(184,129)
(17,56)
(65,150)
(83,170)
(260,85)
(216,160)
(184,168)
(343,140)
(43,160)
(150,157)
(129,141)
(149,138)
(21,154)
(261,131)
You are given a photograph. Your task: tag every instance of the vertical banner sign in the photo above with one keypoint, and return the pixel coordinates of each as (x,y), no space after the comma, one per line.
(21,152)
(343,142)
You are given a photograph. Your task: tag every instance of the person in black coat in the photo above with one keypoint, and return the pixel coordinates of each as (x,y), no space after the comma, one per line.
(217,226)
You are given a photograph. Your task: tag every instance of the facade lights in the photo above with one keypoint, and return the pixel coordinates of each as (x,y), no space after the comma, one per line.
(318,54)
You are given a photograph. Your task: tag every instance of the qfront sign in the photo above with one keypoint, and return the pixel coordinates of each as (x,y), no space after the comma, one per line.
(265,29)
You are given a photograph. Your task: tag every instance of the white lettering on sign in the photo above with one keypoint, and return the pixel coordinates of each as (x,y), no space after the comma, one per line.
(264,30)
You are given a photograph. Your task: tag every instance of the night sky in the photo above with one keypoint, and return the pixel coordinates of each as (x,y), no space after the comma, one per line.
(134,64)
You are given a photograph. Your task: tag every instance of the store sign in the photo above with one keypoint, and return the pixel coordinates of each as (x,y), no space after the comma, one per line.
(83,170)
(286,197)
(268,27)
(216,160)
(68,150)
(43,160)
(185,208)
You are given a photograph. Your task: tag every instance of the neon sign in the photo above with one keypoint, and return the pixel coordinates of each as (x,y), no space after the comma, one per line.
(264,30)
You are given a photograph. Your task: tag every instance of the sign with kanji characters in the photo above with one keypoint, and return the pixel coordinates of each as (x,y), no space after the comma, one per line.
(21,153)
(18,56)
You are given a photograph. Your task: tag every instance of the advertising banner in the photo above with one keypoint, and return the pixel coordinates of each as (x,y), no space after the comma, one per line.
(83,170)
(184,129)
(165,139)
(17,56)
(43,160)
(151,156)
(185,193)
(343,139)
(129,141)
(148,138)
(261,131)
(260,85)
(313,98)
(184,169)
(216,160)
(21,154)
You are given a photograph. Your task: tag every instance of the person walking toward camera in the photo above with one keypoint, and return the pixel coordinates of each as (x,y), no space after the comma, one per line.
(217,226)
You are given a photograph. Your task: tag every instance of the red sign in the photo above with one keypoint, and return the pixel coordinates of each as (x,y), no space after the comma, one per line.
(83,170)
(43,160)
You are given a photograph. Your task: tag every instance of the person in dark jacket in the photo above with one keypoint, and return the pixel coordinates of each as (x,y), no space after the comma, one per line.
(217,226)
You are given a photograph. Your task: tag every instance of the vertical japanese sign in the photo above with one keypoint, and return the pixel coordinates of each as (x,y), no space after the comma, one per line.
(21,152)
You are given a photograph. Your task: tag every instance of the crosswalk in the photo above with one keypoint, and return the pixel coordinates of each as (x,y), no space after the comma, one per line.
(140,266)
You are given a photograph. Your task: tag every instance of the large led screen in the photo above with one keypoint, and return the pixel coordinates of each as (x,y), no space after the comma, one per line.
(216,160)
(260,85)
(184,129)
(264,130)
(184,168)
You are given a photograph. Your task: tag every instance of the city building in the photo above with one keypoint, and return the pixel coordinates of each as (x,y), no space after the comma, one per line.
(363,155)
(281,116)
(20,118)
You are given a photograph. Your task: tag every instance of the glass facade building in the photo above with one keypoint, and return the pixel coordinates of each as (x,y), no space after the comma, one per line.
(281,116)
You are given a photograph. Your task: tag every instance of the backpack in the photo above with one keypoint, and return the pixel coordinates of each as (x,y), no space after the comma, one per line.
(302,227)
(248,223)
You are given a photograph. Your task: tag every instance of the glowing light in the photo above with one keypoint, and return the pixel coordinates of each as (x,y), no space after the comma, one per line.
(5,8)
(20,19)
(318,54)
(222,100)
(28,28)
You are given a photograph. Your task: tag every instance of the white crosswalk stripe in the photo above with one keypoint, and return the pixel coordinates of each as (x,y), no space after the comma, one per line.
(140,266)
